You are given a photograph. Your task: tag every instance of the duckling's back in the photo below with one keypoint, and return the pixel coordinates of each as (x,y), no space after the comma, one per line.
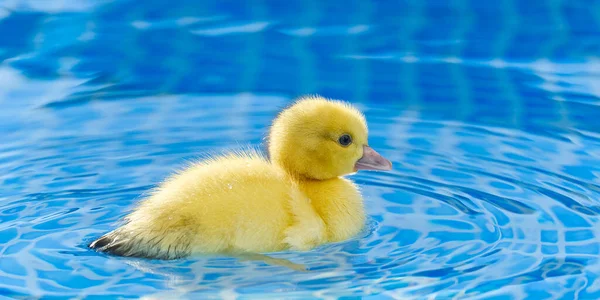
(237,202)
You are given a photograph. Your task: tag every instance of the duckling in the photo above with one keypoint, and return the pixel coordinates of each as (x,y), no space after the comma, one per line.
(243,202)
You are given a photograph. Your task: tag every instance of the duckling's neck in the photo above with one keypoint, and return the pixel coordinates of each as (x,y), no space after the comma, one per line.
(339,203)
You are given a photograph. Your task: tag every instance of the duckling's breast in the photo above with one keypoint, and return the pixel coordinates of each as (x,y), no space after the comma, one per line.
(339,203)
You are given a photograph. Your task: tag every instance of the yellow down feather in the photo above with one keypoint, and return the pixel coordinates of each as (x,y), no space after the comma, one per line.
(244,202)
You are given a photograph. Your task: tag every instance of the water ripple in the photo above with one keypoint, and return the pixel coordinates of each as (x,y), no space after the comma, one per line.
(488,111)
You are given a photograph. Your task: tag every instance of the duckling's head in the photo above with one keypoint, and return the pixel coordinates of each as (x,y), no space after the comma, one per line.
(316,138)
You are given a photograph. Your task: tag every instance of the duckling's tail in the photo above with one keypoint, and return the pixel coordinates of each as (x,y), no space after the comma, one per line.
(114,243)
(118,243)
(101,242)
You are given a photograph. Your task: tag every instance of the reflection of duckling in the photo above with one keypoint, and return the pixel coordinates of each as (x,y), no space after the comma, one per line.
(243,202)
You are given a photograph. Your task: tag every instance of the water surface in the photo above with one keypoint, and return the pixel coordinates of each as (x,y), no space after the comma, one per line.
(489,111)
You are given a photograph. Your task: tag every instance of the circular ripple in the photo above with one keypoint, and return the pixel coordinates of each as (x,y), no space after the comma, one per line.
(495,185)
(477,212)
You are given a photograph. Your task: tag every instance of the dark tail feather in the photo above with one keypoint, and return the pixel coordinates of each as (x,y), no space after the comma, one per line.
(118,244)
(109,243)
(100,243)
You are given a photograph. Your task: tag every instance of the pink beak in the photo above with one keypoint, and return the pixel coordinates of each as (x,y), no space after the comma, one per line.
(371,160)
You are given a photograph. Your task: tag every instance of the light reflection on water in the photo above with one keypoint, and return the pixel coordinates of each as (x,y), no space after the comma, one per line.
(489,114)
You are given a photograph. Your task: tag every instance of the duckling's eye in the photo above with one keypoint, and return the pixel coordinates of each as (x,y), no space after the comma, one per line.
(345,140)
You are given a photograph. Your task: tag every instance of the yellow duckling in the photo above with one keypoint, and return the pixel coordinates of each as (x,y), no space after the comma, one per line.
(246,203)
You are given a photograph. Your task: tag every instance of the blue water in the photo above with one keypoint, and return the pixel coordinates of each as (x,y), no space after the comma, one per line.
(489,111)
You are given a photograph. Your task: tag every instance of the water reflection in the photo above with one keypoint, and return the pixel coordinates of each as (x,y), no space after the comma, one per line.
(489,112)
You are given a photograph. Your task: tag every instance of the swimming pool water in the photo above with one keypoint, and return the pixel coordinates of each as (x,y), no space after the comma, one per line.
(489,111)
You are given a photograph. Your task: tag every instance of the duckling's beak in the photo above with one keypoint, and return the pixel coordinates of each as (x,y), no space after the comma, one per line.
(371,160)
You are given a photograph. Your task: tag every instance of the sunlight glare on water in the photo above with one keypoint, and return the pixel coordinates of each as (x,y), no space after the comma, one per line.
(489,112)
